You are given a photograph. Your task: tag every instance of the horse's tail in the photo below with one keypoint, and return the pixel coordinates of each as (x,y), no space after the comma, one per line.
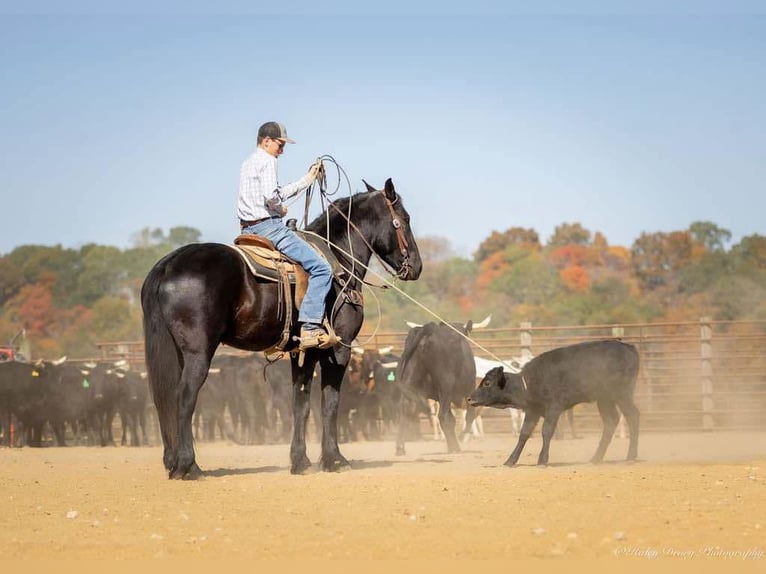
(163,363)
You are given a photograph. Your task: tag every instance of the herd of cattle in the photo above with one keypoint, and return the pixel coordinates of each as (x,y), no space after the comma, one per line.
(248,400)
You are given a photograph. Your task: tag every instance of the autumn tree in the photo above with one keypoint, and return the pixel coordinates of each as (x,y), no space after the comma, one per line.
(655,257)
(526,238)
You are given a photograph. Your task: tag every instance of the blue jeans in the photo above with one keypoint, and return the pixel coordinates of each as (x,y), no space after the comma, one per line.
(320,273)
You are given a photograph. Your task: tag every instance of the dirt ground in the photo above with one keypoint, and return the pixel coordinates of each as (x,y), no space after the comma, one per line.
(700,496)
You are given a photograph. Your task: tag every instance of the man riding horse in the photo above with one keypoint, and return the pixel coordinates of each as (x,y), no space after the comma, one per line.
(203,295)
(260,209)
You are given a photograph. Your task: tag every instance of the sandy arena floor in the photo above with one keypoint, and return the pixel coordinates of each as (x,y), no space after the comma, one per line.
(691,495)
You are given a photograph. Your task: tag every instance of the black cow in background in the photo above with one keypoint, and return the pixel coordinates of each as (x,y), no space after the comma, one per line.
(104,393)
(278,377)
(557,380)
(132,404)
(373,373)
(438,364)
(25,397)
(246,395)
(210,411)
(71,397)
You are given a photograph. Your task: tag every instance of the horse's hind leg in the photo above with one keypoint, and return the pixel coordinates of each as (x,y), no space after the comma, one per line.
(192,377)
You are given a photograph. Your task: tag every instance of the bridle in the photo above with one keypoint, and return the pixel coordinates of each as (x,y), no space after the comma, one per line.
(405,269)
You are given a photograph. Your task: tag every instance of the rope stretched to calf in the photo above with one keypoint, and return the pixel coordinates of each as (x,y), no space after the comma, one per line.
(324,194)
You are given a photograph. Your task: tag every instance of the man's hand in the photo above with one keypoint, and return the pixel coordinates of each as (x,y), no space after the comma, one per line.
(314,170)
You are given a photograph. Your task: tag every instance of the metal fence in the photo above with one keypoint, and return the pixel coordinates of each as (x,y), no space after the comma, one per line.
(695,375)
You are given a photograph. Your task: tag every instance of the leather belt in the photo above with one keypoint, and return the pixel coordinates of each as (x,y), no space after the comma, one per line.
(247,223)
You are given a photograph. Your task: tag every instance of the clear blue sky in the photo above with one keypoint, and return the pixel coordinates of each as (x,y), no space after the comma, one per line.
(624,121)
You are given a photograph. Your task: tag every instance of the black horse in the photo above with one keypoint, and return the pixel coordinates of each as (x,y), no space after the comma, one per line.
(202,295)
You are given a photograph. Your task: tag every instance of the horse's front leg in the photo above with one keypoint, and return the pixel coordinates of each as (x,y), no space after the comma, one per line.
(299,461)
(332,376)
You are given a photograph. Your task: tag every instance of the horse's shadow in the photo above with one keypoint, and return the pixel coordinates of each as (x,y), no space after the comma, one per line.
(365,464)
(573,464)
(220,472)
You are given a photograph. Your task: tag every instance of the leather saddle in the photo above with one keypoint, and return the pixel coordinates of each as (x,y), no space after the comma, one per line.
(269,265)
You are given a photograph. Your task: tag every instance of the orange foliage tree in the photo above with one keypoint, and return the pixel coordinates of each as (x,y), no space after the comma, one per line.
(575,278)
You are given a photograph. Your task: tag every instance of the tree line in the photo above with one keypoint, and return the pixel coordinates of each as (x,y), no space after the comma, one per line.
(69,299)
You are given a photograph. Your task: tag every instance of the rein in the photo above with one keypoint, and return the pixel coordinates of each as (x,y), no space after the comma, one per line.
(325,195)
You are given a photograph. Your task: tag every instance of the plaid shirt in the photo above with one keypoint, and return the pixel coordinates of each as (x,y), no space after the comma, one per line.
(258,185)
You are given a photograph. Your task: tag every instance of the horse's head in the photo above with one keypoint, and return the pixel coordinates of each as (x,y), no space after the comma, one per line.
(392,237)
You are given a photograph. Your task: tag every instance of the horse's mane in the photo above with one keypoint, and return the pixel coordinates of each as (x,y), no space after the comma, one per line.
(336,216)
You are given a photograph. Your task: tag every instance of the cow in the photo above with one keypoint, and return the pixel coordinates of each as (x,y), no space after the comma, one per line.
(105,391)
(554,381)
(132,403)
(370,391)
(246,395)
(210,411)
(278,377)
(24,398)
(69,393)
(437,363)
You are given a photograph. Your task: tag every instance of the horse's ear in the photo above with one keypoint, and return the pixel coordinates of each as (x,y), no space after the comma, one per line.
(368,186)
(389,190)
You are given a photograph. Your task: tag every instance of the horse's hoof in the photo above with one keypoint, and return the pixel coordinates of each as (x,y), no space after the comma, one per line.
(302,467)
(335,465)
(194,473)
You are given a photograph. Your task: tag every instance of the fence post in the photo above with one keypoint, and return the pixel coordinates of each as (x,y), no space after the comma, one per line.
(526,340)
(706,354)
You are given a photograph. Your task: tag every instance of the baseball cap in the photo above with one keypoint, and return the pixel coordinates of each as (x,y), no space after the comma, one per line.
(275,131)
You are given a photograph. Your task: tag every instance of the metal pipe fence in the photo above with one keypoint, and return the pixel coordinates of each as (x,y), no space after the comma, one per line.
(694,375)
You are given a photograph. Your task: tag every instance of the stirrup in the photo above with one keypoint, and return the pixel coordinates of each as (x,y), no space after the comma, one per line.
(332,338)
(326,340)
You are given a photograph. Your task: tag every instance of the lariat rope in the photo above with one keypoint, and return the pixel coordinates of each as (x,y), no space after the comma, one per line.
(324,194)
(412,299)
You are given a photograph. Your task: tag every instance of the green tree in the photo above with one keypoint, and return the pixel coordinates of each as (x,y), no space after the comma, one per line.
(101,273)
(709,235)
(179,236)
(751,251)
(11,278)
(569,234)
(529,281)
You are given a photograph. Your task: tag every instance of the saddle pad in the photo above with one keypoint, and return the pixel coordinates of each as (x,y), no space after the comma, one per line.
(263,262)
